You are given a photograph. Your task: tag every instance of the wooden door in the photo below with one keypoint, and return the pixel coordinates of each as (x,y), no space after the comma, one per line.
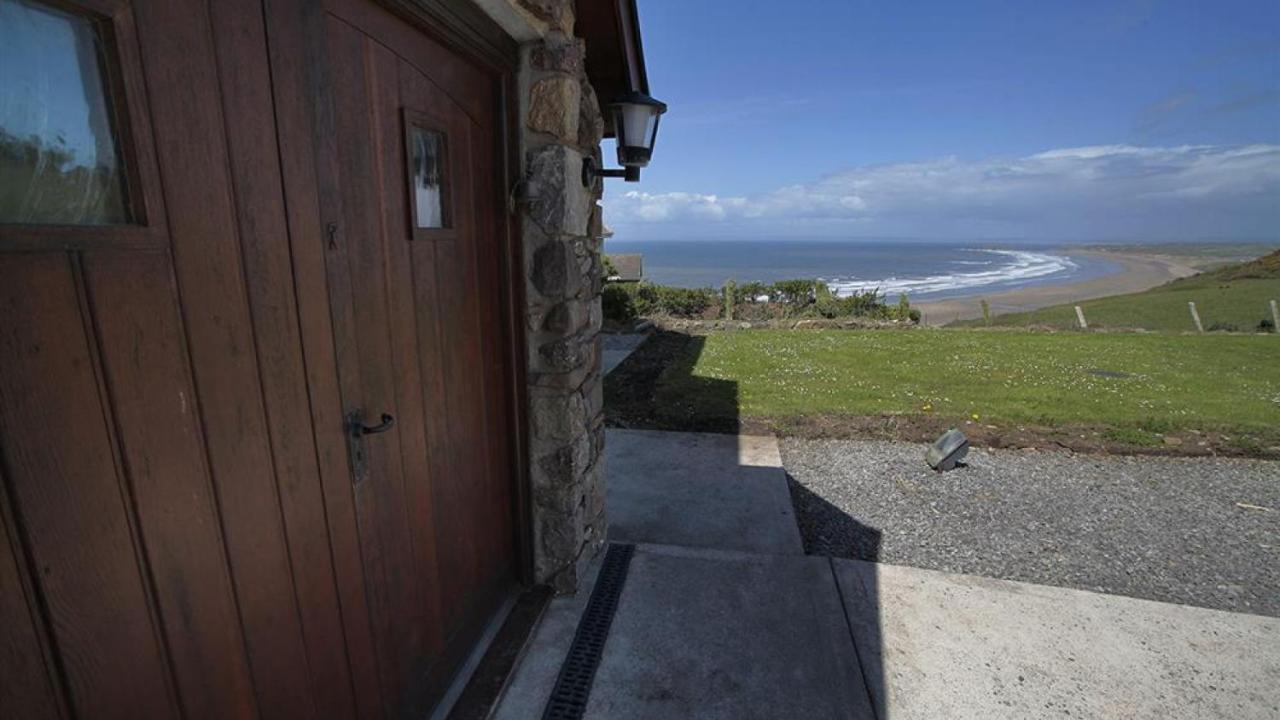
(408,184)
(163,543)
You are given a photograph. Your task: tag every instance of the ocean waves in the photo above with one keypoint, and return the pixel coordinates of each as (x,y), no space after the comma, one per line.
(1011,268)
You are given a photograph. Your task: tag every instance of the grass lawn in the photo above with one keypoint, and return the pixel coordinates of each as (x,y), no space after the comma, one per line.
(1131,388)
(1240,304)
(1235,297)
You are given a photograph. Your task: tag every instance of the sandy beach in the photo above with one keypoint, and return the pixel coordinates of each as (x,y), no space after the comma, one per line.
(1139,272)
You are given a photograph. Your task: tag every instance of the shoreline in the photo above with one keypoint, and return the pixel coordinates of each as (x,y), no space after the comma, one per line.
(1138,272)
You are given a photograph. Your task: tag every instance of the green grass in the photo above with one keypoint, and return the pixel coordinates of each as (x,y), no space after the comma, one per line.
(1235,296)
(1222,382)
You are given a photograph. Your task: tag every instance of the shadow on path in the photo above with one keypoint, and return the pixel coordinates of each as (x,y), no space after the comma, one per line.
(656,388)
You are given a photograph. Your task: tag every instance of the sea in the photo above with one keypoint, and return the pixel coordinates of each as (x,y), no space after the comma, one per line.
(923,270)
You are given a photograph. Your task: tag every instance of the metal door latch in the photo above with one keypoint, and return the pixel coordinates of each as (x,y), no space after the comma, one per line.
(355,432)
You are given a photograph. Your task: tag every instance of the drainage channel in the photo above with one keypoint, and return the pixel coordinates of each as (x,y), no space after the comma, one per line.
(568,699)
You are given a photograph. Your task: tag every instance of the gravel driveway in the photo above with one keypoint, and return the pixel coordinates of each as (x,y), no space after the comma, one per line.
(1167,529)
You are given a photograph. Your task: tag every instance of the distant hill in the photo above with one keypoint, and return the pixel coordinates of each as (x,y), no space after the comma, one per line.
(1233,298)
(1266,267)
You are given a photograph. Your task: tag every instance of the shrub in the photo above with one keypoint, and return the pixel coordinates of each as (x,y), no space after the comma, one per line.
(1223,327)
(788,298)
(1267,325)
(859,304)
(616,303)
(750,292)
(796,293)
(680,302)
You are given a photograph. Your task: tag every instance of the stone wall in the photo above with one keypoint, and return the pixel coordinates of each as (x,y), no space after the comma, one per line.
(563,266)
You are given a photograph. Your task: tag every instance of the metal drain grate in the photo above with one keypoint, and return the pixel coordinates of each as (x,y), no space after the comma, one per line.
(568,699)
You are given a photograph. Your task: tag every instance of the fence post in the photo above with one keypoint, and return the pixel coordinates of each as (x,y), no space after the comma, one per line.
(1080,316)
(1275,317)
(1195,316)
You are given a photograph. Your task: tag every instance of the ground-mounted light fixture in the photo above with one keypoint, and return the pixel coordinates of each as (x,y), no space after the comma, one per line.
(635,126)
(948,451)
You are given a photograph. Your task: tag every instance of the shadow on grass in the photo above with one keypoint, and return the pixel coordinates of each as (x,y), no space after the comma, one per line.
(655,389)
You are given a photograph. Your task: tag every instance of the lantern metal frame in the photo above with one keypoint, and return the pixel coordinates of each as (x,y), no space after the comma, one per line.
(630,157)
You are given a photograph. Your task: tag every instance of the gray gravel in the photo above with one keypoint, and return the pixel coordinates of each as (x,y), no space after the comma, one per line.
(1165,529)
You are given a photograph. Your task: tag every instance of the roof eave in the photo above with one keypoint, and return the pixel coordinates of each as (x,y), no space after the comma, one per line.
(615,53)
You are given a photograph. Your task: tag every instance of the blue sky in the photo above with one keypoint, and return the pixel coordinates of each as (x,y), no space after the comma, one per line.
(1140,119)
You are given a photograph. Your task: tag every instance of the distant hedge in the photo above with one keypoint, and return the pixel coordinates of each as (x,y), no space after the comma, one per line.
(624,302)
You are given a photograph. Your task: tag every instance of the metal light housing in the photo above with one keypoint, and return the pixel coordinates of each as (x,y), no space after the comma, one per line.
(948,451)
(635,127)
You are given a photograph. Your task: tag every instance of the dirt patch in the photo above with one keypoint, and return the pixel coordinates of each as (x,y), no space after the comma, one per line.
(634,399)
(1077,437)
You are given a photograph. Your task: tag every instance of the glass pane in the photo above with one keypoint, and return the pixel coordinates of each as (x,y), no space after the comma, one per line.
(427,158)
(59,159)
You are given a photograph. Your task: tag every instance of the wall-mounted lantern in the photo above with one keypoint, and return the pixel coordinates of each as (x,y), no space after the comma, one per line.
(635,126)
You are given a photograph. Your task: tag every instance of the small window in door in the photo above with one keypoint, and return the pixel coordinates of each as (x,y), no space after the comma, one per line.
(428,157)
(60,159)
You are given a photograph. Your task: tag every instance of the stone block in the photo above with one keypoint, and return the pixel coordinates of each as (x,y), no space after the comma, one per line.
(558,416)
(554,107)
(565,57)
(595,224)
(568,317)
(550,271)
(590,120)
(555,14)
(558,203)
(565,354)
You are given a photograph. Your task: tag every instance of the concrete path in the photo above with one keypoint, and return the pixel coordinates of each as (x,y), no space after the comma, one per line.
(940,645)
(699,490)
(616,347)
(720,617)
(708,634)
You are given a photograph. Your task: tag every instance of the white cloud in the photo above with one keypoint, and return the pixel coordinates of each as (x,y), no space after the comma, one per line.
(1105,191)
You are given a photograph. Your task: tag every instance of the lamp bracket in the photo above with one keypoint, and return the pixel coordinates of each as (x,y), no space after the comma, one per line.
(591,171)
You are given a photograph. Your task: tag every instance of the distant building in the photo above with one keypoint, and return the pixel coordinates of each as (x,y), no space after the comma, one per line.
(627,268)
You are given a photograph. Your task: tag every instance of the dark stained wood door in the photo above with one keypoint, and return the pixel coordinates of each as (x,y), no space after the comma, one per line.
(408,182)
(163,544)
(265,217)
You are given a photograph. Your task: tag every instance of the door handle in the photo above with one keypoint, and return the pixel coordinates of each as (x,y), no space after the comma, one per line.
(355,432)
(387,423)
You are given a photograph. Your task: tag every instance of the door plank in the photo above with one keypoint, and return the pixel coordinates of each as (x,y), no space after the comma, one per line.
(68,499)
(241,44)
(385,538)
(181,71)
(30,688)
(416,458)
(299,66)
(489,296)
(462,82)
(157,415)
(439,344)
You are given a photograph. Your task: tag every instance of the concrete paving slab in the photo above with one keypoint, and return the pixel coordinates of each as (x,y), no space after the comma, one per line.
(940,645)
(699,490)
(615,348)
(708,634)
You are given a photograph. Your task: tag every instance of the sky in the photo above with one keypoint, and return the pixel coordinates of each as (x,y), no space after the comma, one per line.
(1129,120)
